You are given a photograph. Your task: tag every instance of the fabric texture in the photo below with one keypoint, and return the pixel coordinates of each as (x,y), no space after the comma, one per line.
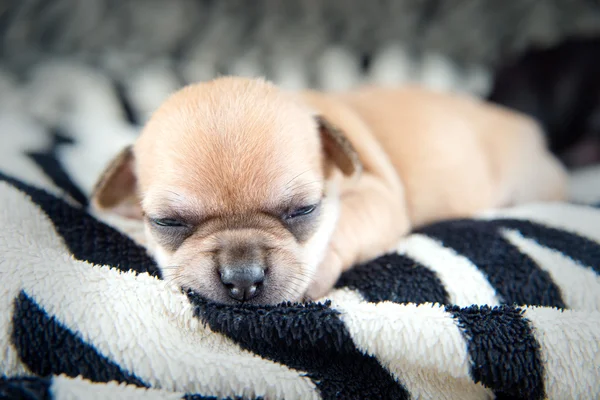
(297,43)
(265,30)
(506,305)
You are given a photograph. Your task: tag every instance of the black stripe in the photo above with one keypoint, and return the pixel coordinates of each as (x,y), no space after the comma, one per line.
(516,278)
(86,237)
(310,338)
(396,278)
(200,397)
(126,105)
(25,388)
(366,60)
(46,347)
(578,248)
(48,161)
(505,355)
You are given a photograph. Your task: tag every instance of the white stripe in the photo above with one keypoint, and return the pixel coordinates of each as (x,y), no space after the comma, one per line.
(65,388)
(570,350)
(13,207)
(150,85)
(584,185)
(464,282)
(421,345)
(582,220)
(579,284)
(138,321)
(21,135)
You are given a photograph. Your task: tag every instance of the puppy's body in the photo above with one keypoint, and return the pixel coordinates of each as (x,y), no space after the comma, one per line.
(427,157)
(283,191)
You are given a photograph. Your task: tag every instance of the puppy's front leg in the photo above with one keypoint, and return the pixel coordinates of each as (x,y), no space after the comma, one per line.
(373,217)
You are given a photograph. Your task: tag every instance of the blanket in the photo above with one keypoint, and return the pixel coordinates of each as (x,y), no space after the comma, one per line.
(505,305)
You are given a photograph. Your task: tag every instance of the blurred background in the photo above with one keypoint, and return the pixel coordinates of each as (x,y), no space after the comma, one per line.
(97,68)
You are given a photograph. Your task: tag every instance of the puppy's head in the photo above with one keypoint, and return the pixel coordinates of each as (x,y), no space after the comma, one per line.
(235,181)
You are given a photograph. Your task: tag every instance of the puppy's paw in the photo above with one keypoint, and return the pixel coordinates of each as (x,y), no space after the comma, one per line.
(326,276)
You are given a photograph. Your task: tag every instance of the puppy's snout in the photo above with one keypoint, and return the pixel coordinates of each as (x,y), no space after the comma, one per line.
(242,272)
(243,283)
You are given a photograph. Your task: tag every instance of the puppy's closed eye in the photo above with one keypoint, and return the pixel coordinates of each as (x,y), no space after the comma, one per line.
(171,232)
(168,223)
(301,221)
(301,211)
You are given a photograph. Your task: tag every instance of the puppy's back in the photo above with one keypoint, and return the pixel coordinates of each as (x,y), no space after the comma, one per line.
(456,155)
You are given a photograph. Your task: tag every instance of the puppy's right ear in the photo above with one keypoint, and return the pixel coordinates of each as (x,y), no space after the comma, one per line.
(338,148)
(116,190)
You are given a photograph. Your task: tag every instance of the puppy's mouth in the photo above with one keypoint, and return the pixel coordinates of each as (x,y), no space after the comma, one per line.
(247,285)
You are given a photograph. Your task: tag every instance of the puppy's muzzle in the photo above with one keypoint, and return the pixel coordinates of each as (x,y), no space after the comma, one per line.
(242,271)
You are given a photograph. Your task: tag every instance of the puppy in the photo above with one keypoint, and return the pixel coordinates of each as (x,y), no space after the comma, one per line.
(253,194)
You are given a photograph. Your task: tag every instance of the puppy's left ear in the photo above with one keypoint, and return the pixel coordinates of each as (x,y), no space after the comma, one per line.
(338,148)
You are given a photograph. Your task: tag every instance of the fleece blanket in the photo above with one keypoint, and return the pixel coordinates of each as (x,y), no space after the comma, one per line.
(505,305)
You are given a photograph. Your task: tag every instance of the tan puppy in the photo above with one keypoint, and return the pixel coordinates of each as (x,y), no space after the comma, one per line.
(252,194)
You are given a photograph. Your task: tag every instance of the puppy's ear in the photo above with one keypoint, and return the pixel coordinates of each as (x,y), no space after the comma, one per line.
(116,190)
(338,148)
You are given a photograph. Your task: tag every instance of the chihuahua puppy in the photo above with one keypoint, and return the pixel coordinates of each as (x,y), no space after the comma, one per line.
(250,193)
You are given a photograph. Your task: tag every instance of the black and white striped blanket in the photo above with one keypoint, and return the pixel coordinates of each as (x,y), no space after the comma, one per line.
(503,306)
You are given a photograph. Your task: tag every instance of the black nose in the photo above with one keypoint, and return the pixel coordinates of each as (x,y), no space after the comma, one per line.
(243,283)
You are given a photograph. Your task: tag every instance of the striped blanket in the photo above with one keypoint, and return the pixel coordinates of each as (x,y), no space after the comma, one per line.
(505,305)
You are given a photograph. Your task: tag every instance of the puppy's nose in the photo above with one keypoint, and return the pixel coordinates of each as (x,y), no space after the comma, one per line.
(243,283)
